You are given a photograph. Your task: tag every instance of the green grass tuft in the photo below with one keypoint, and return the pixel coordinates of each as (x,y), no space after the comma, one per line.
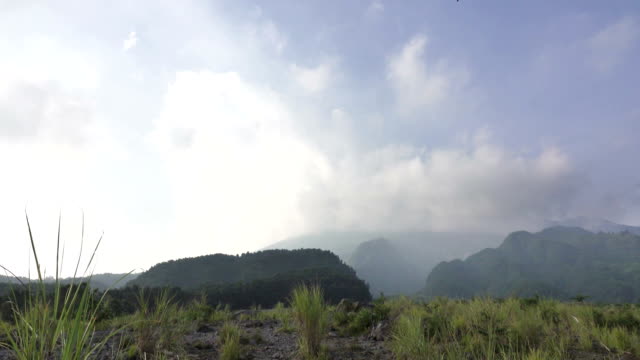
(230,347)
(58,322)
(310,312)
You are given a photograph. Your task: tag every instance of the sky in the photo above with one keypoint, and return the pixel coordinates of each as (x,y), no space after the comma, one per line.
(178,129)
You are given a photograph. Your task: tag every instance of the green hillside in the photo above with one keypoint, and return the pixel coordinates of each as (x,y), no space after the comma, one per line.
(192,273)
(560,262)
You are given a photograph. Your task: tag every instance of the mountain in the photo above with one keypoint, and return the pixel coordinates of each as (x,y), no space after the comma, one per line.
(379,263)
(107,280)
(5,279)
(98,281)
(419,250)
(595,225)
(261,278)
(559,262)
(192,273)
(336,285)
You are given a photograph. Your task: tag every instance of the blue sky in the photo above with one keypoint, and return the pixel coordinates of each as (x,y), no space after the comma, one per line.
(185,128)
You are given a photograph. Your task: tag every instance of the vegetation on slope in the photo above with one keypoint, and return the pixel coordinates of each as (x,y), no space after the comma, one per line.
(558,262)
(268,292)
(191,273)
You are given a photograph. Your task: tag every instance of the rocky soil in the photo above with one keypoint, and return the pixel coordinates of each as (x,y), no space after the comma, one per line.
(265,340)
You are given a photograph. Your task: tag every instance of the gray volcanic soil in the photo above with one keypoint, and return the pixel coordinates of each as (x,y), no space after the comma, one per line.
(262,340)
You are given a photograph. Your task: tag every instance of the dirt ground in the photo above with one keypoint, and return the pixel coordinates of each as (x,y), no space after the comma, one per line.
(264,340)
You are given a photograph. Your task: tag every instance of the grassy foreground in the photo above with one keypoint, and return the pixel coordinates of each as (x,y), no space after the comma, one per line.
(440,329)
(512,329)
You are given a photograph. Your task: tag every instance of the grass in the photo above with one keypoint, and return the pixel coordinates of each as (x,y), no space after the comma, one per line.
(160,326)
(510,329)
(285,317)
(230,347)
(56,322)
(358,322)
(310,312)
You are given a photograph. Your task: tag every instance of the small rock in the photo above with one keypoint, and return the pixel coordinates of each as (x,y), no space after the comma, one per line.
(206,329)
(378,331)
(600,347)
(346,305)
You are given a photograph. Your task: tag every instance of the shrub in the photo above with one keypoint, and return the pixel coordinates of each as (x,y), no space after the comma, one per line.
(199,311)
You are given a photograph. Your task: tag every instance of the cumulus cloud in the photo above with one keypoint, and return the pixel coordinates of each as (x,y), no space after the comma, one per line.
(130,42)
(313,79)
(609,46)
(237,183)
(483,187)
(244,178)
(44,110)
(417,83)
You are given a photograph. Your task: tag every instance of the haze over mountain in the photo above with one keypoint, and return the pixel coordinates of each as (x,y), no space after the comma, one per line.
(560,262)
(595,225)
(385,269)
(409,256)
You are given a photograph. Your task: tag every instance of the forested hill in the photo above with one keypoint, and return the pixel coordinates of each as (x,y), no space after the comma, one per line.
(192,273)
(560,262)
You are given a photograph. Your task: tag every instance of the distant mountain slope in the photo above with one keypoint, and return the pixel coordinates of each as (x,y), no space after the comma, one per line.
(98,281)
(6,279)
(341,243)
(108,280)
(595,225)
(379,263)
(560,262)
(421,250)
(192,273)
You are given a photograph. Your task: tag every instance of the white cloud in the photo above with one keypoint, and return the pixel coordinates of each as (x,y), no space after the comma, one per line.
(374,9)
(609,46)
(52,100)
(235,187)
(484,187)
(44,111)
(263,32)
(130,42)
(418,84)
(313,79)
(271,33)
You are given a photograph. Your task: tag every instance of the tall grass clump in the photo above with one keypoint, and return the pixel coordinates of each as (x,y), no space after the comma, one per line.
(230,347)
(310,313)
(56,321)
(408,341)
(159,324)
